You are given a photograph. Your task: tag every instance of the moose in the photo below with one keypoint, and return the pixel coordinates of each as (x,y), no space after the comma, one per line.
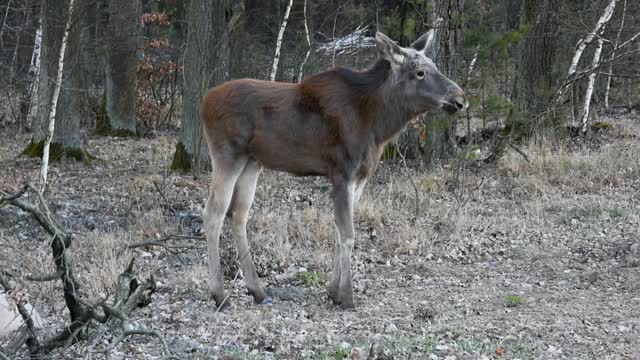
(333,124)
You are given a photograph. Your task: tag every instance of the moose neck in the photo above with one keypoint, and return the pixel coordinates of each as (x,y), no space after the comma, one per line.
(394,112)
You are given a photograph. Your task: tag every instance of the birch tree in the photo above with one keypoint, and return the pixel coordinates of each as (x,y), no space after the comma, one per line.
(613,54)
(34,74)
(584,121)
(306,33)
(58,86)
(54,100)
(582,44)
(276,57)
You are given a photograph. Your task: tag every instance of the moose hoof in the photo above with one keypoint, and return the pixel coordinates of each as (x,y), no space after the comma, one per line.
(344,303)
(221,303)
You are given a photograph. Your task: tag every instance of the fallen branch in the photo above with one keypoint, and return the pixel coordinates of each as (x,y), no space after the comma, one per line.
(130,293)
(45,277)
(31,338)
(519,151)
(128,329)
(174,249)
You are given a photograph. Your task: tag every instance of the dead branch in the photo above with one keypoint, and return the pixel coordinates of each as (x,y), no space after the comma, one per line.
(162,242)
(519,151)
(502,141)
(3,356)
(130,292)
(128,329)
(415,187)
(32,339)
(45,277)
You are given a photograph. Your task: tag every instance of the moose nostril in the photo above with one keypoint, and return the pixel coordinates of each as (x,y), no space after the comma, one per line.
(460,102)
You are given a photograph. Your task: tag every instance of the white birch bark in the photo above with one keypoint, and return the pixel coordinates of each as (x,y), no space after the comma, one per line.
(4,23)
(584,121)
(306,31)
(276,57)
(582,44)
(54,101)
(34,74)
(613,54)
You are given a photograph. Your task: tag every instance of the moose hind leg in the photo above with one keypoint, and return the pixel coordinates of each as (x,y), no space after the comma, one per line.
(242,199)
(225,175)
(335,278)
(343,204)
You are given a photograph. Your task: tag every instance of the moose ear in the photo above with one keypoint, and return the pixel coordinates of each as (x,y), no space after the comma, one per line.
(424,42)
(389,50)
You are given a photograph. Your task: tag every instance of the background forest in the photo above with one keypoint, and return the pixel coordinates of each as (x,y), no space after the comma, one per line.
(510,230)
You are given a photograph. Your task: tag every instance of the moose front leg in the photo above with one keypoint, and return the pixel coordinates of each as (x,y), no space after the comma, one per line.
(340,289)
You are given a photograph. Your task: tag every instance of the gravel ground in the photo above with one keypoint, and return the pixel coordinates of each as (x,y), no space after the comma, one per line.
(523,260)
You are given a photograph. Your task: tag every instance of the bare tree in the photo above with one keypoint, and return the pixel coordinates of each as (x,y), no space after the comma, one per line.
(206,64)
(58,86)
(123,36)
(613,54)
(276,57)
(440,128)
(534,77)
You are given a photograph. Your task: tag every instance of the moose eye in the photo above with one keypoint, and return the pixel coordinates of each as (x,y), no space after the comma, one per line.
(420,74)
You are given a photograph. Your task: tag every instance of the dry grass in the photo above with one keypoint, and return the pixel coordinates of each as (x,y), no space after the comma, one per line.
(555,165)
(537,229)
(100,265)
(287,237)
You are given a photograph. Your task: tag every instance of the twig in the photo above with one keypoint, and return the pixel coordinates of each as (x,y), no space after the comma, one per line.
(128,330)
(415,187)
(3,356)
(134,295)
(161,192)
(224,301)
(161,242)
(32,340)
(45,277)
(7,198)
(519,151)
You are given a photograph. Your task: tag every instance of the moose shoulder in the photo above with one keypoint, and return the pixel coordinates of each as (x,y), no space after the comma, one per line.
(333,124)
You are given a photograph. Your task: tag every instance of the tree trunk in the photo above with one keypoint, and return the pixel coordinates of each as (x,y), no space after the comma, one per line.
(54,103)
(440,128)
(31,95)
(584,121)
(276,57)
(206,64)
(123,36)
(534,78)
(66,139)
(613,54)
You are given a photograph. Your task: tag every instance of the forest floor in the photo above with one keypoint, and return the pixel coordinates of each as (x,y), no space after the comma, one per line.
(522,260)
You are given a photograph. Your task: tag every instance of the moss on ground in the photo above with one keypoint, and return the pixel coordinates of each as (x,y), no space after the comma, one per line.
(57,152)
(181,159)
(103,124)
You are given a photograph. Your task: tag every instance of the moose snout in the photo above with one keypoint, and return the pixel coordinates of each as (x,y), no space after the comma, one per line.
(460,102)
(455,102)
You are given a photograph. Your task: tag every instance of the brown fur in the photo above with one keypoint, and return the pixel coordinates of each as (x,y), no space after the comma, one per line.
(322,126)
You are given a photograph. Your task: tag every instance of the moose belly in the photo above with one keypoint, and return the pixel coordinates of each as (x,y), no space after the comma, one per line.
(302,155)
